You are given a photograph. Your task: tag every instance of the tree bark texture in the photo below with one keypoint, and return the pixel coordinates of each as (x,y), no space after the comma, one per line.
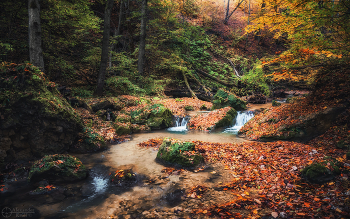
(188,86)
(105,48)
(34,32)
(142,46)
(228,8)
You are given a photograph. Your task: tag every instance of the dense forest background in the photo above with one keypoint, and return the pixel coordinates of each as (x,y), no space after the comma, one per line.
(192,44)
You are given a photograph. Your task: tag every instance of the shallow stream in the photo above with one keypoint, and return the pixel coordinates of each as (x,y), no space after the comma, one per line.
(96,197)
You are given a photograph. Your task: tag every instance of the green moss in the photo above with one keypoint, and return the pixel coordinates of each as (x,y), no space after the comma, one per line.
(175,152)
(89,141)
(139,116)
(275,103)
(224,98)
(348,155)
(160,117)
(25,86)
(315,171)
(203,107)
(123,118)
(342,145)
(227,120)
(122,128)
(189,108)
(60,167)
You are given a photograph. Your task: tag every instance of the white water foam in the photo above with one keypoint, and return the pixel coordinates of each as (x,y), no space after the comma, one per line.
(100,184)
(241,119)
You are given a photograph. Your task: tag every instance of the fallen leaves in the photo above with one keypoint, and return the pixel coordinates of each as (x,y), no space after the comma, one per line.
(207,121)
(271,168)
(177,106)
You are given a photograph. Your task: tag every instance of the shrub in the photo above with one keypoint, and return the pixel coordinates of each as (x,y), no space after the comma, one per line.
(224,98)
(122,85)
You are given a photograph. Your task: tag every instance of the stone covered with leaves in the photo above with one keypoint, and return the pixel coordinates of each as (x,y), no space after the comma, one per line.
(224,98)
(323,171)
(35,119)
(123,177)
(179,153)
(57,167)
(299,120)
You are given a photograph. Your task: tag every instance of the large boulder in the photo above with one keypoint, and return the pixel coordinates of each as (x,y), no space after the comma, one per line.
(227,120)
(35,119)
(111,103)
(224,98)
(89,141)
(160,117)
(57,168)
(179,153)
(154,116)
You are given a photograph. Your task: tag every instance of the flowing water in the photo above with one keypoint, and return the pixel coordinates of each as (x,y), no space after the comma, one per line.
(97,197)
(241,119)
(180,124)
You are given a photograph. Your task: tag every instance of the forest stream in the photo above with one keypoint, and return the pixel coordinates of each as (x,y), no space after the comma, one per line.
(96,197)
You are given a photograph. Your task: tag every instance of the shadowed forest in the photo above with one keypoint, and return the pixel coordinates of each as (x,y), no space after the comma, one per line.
(175,109)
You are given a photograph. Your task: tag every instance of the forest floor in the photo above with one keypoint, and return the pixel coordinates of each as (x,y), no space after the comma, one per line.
(252,179)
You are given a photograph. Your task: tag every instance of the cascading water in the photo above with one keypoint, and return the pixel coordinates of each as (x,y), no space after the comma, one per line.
(241,119)
(180,124)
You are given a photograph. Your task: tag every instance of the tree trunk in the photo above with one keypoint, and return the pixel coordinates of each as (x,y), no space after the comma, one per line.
(141,59)
(34,32)
(105,48)
(188,86)
(227,10)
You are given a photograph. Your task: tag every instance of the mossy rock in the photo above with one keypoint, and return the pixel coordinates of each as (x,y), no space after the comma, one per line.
(121,117)
(44,122)
(348,155)
(106,104)
(203,107)
(136,128)
(89,141)
(159,117)
(122,128)
(25,87)
(224,98)
(342,145)
(189,108)
(317,173)
(228,119)
(275,103)
(140,116)
(58,167)
(123,177)
(176,152)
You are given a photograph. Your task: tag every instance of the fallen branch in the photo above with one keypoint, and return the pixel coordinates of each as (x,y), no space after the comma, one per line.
(188,86)
(233,66)
(214,78)
(207,92)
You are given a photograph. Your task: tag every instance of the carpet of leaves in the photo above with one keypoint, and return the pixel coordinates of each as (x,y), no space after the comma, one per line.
(207,121)
(98,125)
(276,120)
(177,106)
(266,180)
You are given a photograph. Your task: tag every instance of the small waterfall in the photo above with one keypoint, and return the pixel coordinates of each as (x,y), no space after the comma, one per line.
(241,119)
(180,124)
